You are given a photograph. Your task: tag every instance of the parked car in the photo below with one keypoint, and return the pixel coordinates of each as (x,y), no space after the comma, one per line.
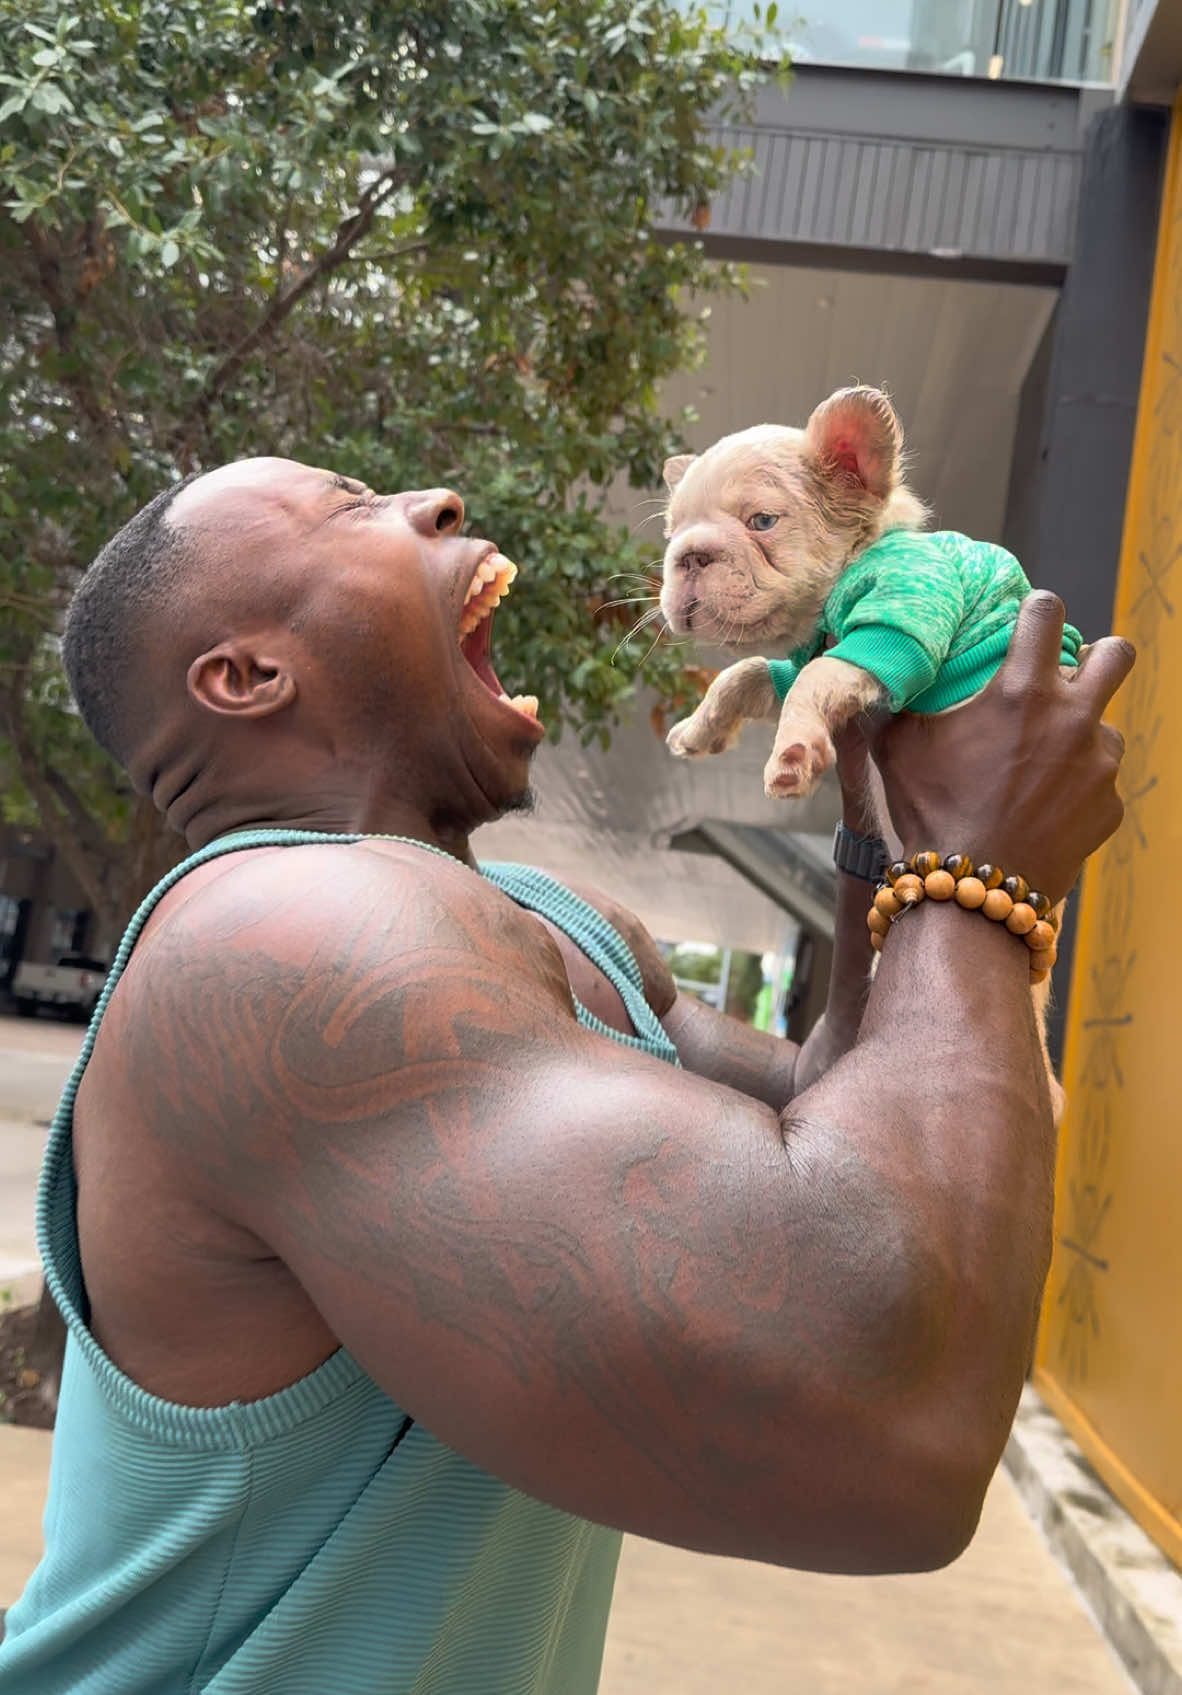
(73,986)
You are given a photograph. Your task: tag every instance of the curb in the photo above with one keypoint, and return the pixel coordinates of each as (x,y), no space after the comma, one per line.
(1132,1589)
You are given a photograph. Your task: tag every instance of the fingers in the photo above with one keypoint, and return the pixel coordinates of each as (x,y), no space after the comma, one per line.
(1103,667)
(1037,642)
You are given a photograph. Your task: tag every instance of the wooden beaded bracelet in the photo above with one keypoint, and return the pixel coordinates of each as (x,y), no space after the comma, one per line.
(982,888)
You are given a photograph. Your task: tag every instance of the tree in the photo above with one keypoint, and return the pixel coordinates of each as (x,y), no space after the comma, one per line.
(411,243)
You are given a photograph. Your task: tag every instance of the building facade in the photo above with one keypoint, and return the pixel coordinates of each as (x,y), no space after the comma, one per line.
(1108,1359)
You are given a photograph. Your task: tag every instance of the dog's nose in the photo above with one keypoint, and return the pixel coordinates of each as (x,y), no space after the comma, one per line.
(695,559)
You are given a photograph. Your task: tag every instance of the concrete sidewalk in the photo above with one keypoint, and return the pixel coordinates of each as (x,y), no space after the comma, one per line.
(1002,1620)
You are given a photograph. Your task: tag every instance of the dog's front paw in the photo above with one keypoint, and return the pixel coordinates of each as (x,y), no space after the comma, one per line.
(697,736)
(797,765)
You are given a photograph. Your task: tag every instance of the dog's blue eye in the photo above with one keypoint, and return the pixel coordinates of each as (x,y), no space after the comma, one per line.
(762,521)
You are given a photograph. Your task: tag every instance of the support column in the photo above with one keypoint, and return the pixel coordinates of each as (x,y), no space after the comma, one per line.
(1067,529)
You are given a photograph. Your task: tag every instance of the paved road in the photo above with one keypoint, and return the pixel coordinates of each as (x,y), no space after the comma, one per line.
(36,1055)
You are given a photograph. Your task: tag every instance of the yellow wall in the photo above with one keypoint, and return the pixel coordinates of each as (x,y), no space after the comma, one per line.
(1110,1353)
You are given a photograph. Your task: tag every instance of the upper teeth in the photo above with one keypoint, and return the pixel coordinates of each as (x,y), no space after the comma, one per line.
(489,586)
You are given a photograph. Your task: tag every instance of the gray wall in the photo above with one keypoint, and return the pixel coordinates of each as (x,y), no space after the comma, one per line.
(1066,517)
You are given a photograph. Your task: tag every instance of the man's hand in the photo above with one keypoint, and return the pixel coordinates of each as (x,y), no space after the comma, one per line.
(1025,774)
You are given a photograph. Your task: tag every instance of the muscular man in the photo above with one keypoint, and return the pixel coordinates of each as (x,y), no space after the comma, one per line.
(403,1265)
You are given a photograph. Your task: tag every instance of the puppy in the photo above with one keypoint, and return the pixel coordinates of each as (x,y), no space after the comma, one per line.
(811,539)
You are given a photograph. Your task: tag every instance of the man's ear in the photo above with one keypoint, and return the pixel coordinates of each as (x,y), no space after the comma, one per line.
(676,468)
(856,434)
(237,680)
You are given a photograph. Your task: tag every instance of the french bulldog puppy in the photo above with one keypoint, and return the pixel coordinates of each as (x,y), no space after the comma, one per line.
(760,527)
(810,539)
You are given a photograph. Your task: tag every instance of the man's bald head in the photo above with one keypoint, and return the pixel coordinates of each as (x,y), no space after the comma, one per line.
(163,573)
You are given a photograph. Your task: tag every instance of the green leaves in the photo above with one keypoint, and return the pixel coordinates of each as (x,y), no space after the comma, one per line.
(412,243)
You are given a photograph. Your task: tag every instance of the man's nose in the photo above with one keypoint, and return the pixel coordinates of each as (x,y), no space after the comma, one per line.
(435,511)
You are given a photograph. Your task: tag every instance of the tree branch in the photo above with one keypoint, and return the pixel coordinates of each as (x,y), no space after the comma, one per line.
(407,247)
(64,313)
(79,816)
(348,235)
(89,877)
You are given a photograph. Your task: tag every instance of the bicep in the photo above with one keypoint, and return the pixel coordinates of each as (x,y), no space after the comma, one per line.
(615,1286)
(608,1282)
(541,1247)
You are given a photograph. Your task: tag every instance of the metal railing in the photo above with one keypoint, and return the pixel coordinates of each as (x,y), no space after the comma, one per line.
(1072,41)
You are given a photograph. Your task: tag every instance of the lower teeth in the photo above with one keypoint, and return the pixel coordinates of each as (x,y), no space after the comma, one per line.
(527,703)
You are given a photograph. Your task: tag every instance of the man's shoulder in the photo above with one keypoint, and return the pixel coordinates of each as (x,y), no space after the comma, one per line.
(280,913)
(326,875)
(322,957)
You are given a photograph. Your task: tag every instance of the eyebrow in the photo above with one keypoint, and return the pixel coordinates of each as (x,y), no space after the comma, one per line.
(350,485)
(766,478)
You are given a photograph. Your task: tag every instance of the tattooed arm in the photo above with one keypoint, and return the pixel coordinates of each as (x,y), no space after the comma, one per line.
(628,1291)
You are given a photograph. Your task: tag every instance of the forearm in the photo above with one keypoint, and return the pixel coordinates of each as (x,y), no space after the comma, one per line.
(836,1031)
(764,1066)
(944,1105)
(732,1053)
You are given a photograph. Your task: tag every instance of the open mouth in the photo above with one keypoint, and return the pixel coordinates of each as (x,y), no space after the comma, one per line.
(489,586)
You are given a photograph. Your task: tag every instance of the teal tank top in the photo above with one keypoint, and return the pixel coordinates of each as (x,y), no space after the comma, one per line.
(315,1542)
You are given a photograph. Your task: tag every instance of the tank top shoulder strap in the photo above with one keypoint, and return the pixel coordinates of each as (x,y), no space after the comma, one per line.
(599,940)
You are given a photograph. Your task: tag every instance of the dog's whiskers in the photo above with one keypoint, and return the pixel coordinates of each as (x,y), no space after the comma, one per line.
(645,618)
(664,630)
(634,600)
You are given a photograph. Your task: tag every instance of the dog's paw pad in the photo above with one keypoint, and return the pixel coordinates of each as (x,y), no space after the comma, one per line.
(794,771)
(688,740)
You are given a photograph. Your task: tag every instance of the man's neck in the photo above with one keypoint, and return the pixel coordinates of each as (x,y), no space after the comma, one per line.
(361,817)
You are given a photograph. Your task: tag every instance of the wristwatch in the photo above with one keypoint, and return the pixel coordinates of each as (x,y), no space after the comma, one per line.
(860,856)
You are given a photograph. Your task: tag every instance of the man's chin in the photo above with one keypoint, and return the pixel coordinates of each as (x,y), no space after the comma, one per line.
(520,804)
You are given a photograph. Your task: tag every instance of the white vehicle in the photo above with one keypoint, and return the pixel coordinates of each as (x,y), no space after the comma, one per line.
(73,985)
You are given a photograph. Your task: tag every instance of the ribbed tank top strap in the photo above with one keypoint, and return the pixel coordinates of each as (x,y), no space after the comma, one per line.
(600,941)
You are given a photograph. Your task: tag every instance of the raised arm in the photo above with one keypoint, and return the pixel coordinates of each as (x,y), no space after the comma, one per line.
(635,1293)
(726,1050)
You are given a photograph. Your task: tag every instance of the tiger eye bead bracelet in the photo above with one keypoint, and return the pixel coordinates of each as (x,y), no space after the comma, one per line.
(1007,900)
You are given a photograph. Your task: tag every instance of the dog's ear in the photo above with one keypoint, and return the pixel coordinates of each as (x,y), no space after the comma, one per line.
(676,468)
(856,435)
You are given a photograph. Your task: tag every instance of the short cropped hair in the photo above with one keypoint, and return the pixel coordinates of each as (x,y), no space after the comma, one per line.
(132,583)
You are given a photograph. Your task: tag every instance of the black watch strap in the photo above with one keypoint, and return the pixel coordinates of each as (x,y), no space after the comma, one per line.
(860,856)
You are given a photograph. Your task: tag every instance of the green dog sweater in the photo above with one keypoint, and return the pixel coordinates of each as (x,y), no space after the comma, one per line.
(930,616)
